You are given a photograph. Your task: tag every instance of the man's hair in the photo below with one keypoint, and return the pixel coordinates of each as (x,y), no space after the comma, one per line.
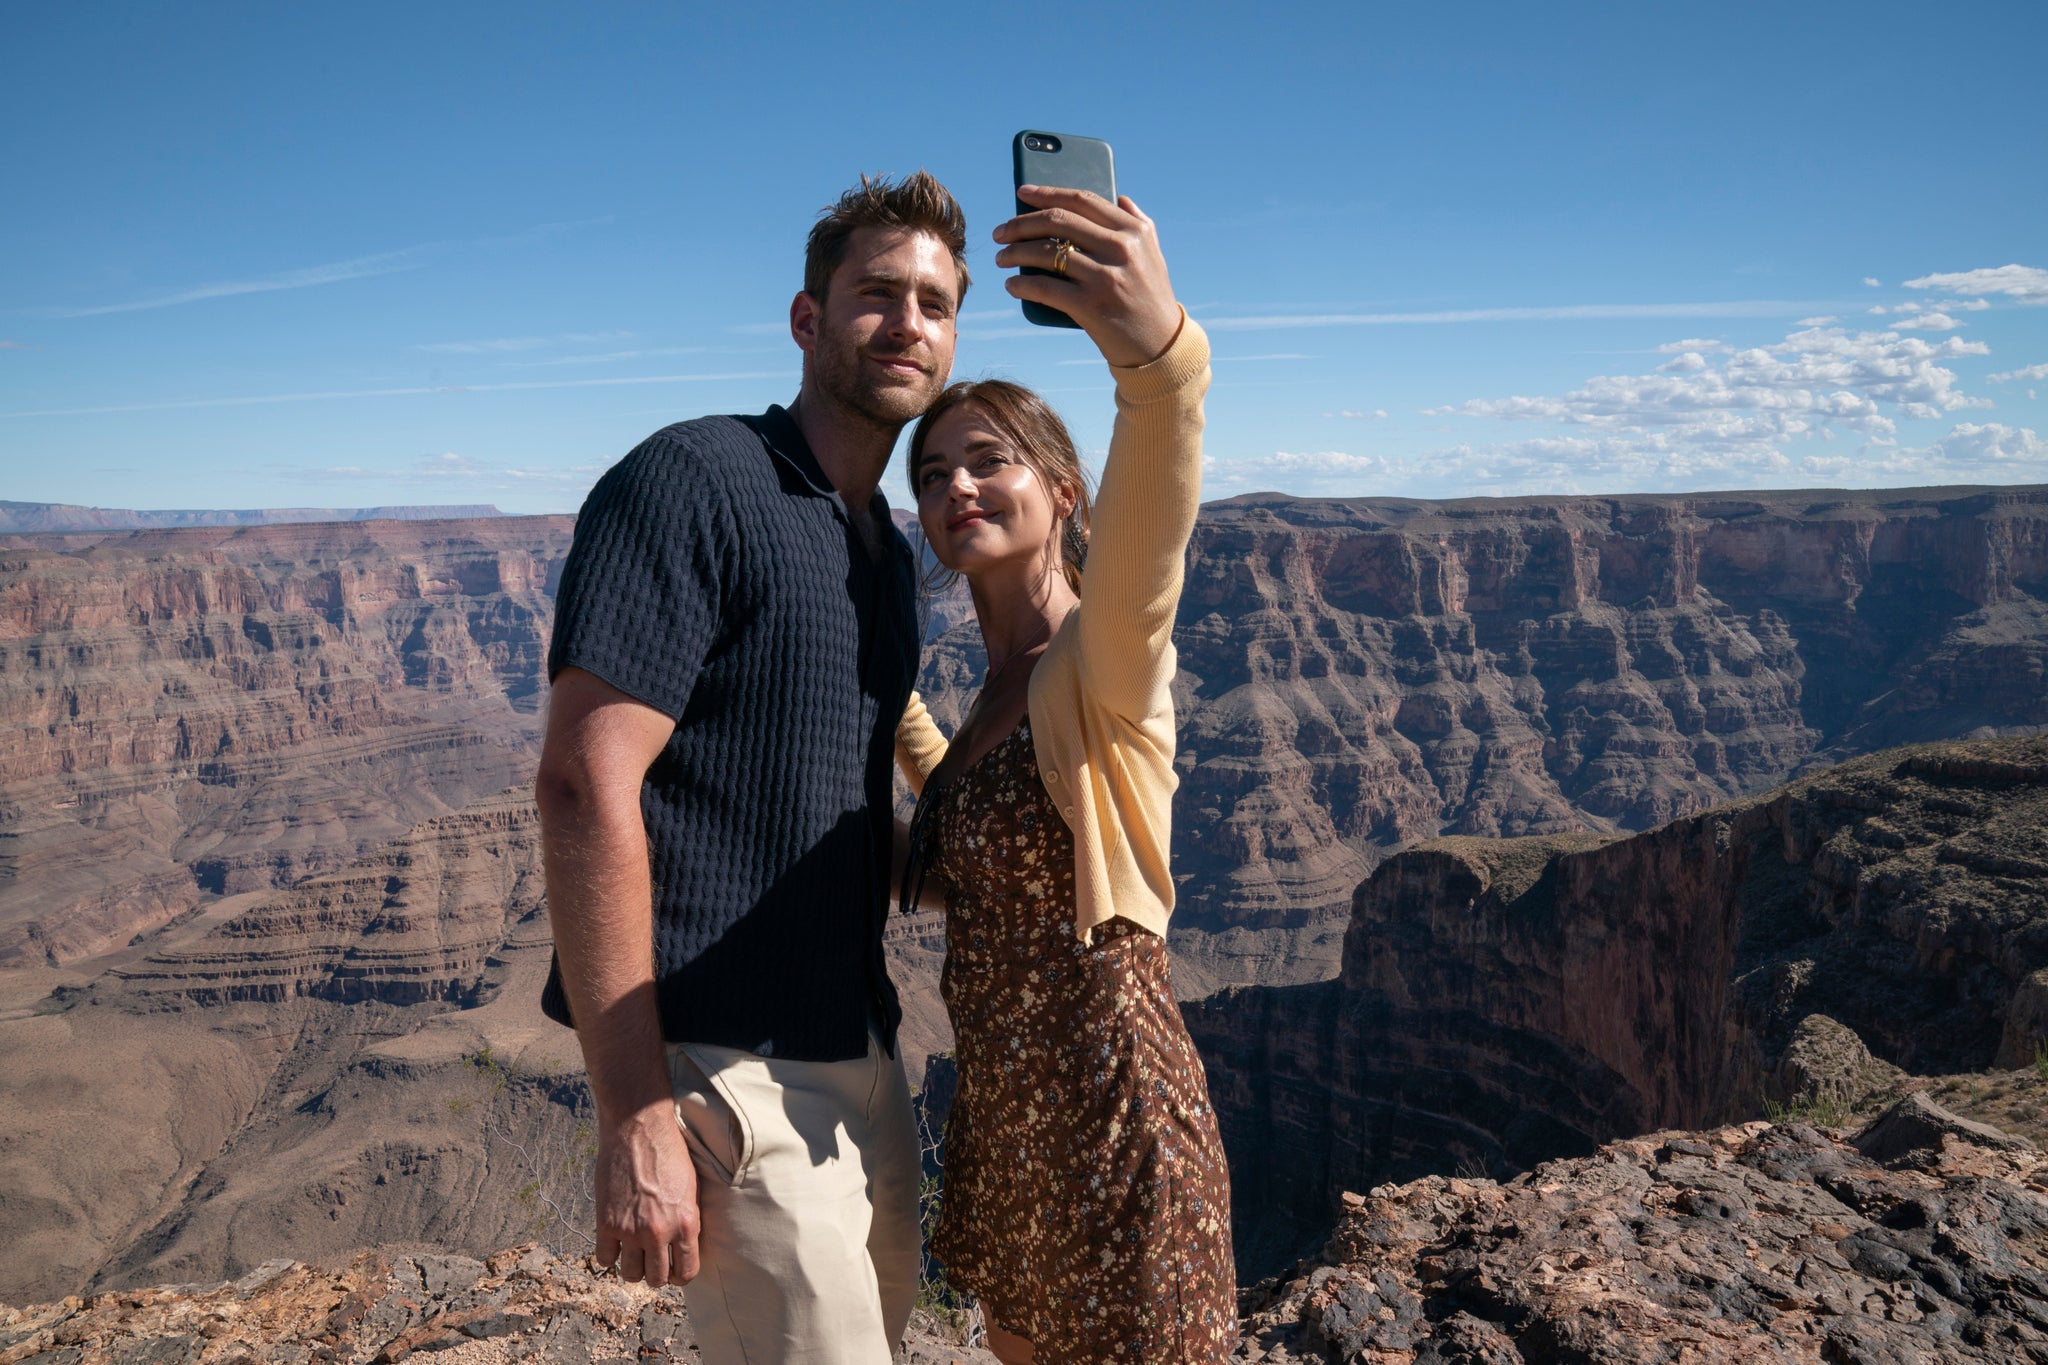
(917,203)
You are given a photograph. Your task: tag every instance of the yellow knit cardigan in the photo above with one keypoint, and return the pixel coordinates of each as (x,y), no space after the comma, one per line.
(1101,712)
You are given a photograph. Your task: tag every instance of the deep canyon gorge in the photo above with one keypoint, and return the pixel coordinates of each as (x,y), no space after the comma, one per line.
(1507,829)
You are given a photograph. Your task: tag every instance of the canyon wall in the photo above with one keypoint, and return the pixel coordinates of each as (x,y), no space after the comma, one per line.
(188,714)
(1359,674)
(265,852)
(1503,1003)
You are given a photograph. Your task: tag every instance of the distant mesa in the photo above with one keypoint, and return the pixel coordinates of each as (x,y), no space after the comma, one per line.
(29,518)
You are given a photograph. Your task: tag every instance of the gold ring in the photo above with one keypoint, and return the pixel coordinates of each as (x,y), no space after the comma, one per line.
(1061,249)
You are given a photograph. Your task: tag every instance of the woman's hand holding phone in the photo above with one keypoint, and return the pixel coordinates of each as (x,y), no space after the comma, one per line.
(1113,281)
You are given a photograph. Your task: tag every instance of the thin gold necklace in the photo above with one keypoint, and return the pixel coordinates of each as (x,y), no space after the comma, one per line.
(988,680)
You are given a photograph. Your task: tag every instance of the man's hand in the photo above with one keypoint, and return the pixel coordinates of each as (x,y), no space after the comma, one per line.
(647,1199)
(599,745)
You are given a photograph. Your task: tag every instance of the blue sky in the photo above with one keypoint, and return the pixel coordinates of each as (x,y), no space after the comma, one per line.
(263,255)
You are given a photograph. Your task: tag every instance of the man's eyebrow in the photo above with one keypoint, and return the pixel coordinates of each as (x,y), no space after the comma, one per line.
(931,285)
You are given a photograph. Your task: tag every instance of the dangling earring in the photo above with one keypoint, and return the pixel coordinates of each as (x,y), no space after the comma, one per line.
(1077,541)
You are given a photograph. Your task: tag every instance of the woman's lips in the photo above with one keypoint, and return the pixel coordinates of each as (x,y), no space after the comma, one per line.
(968,519)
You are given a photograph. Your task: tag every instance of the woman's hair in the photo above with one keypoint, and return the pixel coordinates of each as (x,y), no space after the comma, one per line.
(1039,436)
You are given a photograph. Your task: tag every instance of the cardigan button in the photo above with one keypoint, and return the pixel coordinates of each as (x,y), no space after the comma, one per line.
(1069,810)
(1052,777)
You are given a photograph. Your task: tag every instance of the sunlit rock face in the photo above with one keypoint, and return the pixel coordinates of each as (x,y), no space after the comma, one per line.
(188,714)
(1506,1002)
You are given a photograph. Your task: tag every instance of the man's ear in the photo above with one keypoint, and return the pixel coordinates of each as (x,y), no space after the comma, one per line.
(803,321)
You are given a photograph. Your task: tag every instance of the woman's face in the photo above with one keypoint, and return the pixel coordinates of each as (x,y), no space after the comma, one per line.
(980,504)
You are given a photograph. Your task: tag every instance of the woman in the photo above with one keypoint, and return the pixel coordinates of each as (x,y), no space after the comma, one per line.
(1086,1203)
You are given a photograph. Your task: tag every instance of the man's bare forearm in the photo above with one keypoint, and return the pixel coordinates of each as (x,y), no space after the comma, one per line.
(600,900)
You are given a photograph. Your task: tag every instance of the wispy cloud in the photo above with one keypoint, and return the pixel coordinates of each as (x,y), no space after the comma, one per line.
(452,469)
(330,394)
(1815,378)
(2028,284)
(312,276)
(501,345)
(18,346)
(2025,374)
(615,357)
(1219,360)
(1737,308)
(1376,415)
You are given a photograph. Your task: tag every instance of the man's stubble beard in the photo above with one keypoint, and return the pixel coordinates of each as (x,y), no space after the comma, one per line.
(867,396)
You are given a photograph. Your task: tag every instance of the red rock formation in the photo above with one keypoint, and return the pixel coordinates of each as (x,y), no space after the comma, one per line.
(1361,674)
(422,919)
(1751,1244)
(191,713)
(1504,1003)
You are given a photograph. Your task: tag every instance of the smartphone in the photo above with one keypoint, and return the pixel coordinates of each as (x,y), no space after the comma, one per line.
(1075,163)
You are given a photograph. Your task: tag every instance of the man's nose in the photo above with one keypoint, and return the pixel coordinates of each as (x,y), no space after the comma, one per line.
(907,320)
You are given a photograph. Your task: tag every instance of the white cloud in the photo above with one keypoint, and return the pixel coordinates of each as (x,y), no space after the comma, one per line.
(1929,322)
(1765,416)
(1739,308)
(1377,414)
(1815,376)
(1756,416)
(2028,284)
(1692,344)
(1822,321)
(1873,282)
(1331,473)
(1970,444)
(452,470)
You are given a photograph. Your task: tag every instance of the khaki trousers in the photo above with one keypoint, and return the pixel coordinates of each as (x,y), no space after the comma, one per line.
(807,1181)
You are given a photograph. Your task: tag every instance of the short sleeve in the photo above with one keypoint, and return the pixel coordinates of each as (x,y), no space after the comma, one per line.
(639,602)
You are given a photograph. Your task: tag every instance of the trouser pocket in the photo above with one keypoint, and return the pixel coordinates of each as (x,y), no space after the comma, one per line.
(714,1121)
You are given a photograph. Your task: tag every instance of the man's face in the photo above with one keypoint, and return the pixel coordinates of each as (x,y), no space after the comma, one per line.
(882,342)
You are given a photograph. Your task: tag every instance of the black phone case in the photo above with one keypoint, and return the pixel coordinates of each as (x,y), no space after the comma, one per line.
(1080,163)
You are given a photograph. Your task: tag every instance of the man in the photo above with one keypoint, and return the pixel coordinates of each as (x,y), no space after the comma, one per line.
(735,638)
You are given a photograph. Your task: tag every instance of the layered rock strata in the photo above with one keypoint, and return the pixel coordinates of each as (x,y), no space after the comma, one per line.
(1360,674)
(189,714)
(1507,1002)
(423,919)
(1742,1245)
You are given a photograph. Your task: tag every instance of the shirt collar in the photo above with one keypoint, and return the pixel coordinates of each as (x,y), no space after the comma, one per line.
(786,439)
(779,431)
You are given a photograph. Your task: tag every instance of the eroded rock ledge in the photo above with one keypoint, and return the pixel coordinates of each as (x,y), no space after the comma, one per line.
(525,1304)
(1756,1243)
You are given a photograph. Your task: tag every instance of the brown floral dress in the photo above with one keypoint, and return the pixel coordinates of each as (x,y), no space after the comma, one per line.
(1086,1203)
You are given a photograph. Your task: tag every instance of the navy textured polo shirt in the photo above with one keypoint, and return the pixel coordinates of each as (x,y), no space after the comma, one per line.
(717,577)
